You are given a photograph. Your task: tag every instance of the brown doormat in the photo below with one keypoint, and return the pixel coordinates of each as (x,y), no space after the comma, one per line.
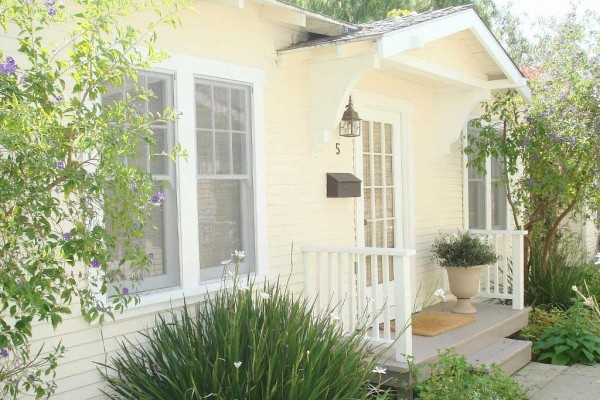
(433,323)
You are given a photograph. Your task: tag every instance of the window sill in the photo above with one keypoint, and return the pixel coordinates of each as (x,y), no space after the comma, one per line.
(176,297)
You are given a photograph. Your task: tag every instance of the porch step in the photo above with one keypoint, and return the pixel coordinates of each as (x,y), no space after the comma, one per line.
(510,355)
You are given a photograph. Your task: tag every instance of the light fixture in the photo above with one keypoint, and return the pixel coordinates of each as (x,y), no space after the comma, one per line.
(351,124)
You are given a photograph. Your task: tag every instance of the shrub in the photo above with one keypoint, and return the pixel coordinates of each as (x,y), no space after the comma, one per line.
(540,321)
(574,339)
(455,379)
(242,344)
(551,285)
(462,249)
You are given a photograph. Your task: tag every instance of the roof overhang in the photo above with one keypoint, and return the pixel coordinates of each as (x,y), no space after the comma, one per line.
(289,14)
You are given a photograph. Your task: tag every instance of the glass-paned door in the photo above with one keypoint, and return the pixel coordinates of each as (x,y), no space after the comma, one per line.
(379,193)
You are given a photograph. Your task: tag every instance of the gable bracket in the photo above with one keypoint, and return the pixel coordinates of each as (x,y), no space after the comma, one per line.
(330,84)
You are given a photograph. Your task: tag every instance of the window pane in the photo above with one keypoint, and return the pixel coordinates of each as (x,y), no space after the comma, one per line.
(224,191)
(366,134)
(156,103)
(205,152)
(238,110)
(222,149)
(499,204)
(204,106)
(159,165)
(239,153)
(377,137)
(221,111)
(160,239)
(388,139)
(476,205)
(220,220)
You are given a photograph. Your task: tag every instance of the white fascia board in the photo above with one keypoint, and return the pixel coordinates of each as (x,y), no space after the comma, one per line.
(283,16)
(231,3)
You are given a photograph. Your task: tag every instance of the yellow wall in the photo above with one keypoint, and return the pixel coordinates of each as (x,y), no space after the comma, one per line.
(298,212)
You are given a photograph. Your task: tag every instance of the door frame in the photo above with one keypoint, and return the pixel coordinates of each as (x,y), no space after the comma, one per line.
(397,112)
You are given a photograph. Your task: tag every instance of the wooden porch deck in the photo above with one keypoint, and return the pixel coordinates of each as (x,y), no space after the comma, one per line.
(493,322)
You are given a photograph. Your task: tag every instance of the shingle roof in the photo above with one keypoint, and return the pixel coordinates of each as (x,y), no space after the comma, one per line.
(377,28)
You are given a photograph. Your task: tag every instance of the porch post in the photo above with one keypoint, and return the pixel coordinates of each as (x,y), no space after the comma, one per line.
(403,307)
(518,271)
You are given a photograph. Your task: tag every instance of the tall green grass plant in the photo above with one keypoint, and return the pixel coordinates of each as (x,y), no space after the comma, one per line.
(243,343)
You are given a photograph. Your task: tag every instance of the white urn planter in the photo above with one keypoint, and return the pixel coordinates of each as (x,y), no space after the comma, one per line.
(464,284)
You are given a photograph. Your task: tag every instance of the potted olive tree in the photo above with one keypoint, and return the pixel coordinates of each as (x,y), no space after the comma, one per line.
(463,255)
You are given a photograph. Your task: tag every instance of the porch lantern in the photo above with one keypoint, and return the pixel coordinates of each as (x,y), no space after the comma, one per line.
(351,124)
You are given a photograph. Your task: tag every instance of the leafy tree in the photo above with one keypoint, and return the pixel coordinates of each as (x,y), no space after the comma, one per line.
(63,170)
(552,145)
(359,11)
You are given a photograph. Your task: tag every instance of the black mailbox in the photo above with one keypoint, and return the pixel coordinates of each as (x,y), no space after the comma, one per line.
(343,185)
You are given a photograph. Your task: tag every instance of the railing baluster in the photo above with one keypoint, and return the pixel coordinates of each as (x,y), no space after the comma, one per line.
(386,299)
(329,280)
(374,286)
(318,281)
(339,291)
(351,291)
(506,265)
(497,267)
(362,285)
(308,284)
(518,274)
(403,306)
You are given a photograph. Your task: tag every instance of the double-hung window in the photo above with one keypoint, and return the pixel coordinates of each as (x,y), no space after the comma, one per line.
(209,210)
(487,204)
(224,174)
(161,244)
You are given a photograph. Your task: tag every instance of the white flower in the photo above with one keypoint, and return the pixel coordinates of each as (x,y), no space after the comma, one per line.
(239,254)
(265,296)
(334,317)
(237,364)
(243,287)
(589,302)
(597,260)
(308,352)
(574,288)
(440,293)
(379,370)
(225,262)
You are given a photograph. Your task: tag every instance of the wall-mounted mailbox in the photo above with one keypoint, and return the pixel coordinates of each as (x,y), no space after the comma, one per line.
(343,185)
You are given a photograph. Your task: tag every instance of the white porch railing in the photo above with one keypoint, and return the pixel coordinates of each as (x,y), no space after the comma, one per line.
(504,279)
(355,283)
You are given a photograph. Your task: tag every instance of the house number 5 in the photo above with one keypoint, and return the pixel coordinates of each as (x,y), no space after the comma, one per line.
(337,149)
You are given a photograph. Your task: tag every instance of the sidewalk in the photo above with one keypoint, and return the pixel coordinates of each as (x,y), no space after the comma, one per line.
(554,382)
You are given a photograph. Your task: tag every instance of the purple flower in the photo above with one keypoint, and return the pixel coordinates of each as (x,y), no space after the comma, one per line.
(52,11)
(151,255)
(57,190)
(67,236)
(23,80)
(58,99)
(133,187)
(4,353)
(60,165)
(95,263)
(125,290)
(50,3)
(136,226)
(157,198)
(10,67)
(536,155)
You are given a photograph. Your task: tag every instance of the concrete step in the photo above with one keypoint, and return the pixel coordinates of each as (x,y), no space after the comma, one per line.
(509,354)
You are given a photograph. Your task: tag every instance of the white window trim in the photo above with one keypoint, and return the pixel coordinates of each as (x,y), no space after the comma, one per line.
(488,187)
(185,69)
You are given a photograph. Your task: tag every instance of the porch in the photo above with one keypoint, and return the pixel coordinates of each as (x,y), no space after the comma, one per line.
(369,287)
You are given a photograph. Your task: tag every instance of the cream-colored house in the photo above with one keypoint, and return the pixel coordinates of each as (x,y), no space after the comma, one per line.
(262,86)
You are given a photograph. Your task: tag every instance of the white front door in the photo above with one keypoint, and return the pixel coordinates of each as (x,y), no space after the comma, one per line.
(379,210)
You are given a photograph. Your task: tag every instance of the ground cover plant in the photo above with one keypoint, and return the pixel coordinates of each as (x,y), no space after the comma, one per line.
(244,344)
(453,378)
